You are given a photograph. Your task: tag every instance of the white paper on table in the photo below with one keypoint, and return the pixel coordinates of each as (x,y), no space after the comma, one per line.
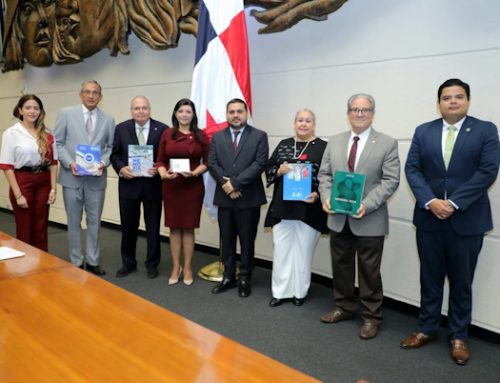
(180,165)
(8,253)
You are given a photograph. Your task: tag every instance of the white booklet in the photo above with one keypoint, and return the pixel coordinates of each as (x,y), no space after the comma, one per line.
(180,165)
(8,253)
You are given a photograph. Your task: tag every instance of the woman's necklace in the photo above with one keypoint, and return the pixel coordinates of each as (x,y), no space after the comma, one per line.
(295,156)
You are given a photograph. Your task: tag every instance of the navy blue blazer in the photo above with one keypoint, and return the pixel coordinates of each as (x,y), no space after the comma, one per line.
(244,167)
(125,135)
(472,170)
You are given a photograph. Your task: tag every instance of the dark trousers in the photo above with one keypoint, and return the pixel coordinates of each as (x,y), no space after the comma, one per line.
(445,253)
(344,247)
(130,214)
(31,223)
(238,223)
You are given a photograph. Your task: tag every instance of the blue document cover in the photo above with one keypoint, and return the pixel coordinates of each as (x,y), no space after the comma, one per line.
(88,159)
(140,159)
(297,183)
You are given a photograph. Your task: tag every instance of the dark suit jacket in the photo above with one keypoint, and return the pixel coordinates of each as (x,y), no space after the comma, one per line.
(244,167)
(125,135)
(472,169)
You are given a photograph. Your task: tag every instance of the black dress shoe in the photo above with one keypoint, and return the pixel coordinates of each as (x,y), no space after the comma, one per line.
(152,272)
(125,270)
(298,301)
(95,269)
(224,285)
(81,267)
(244,288)
(275,302)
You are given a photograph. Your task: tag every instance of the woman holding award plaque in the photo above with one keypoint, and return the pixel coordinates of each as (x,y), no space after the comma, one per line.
(295,212)
(182,158)
(29,161)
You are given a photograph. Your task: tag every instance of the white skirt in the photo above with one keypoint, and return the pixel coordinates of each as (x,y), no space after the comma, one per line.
(294,245)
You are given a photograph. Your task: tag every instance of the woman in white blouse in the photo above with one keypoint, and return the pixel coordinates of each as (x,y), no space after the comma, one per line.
(29,160)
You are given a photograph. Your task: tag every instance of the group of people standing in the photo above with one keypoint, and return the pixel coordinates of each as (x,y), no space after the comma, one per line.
(451,164)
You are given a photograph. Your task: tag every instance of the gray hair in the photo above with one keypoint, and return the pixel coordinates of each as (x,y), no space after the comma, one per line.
(370,99)
(91,82)
(307,111)
(141,97)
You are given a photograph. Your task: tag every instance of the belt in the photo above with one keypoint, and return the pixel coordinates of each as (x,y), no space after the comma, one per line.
(34,169)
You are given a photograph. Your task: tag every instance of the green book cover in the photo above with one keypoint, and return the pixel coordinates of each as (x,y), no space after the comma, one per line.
(347,192)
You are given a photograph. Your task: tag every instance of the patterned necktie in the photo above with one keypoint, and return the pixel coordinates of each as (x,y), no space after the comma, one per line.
(89,127)
(448,145)
(352,154)
(235,139)
(140,136)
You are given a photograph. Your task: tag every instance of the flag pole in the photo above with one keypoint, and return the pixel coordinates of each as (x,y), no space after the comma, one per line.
(213,271)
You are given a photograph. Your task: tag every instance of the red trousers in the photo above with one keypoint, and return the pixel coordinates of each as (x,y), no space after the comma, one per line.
(31,223)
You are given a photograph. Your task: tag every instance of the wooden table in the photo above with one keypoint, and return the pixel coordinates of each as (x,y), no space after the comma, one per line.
(61,324)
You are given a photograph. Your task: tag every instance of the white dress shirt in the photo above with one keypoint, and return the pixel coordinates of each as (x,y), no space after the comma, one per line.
(363,139)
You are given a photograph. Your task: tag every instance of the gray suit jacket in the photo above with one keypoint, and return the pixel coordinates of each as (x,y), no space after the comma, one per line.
(244,167)
(379,161)
(69,131)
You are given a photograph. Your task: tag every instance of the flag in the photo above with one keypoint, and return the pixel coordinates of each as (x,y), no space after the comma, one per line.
(221,70)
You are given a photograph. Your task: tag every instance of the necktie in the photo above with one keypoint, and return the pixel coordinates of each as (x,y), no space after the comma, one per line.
(89,127)
(448,145)
(235,139)
(352,154)
(140,136)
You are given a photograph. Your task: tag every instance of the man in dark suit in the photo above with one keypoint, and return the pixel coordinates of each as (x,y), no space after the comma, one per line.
(135,190)
(451,164)
(238,156)
(84,124)
(363,150)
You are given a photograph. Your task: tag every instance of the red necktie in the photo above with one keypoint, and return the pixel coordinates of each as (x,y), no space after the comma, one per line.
(235,139)
(352,154)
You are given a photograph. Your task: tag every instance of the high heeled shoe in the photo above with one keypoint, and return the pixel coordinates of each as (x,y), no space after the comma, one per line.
(187,282)
(173,281)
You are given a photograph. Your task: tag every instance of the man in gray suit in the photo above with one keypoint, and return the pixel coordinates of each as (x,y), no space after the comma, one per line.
(361,150)
(238,156)
(84,124)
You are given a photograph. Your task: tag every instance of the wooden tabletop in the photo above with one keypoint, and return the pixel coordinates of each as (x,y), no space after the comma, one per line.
(61,324)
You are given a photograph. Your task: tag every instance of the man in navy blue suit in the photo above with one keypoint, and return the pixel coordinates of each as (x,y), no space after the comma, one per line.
(134,190)
(451,164)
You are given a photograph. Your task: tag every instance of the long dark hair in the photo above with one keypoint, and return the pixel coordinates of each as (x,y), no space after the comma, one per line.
(42,136)
(193,126)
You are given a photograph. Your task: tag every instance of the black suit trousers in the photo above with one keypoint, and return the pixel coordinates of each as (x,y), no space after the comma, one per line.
(130,214)
(239,223)
(445,253)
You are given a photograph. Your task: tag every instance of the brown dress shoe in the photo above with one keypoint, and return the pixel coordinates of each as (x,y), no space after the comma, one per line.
(335,316)
(369,330)
(459,352)
(416,340)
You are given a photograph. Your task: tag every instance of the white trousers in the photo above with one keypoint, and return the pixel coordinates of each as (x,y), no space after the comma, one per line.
(294,244)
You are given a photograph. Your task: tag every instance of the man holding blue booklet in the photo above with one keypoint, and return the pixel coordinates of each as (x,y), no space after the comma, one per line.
(84,126)
(371,156)
(138,185)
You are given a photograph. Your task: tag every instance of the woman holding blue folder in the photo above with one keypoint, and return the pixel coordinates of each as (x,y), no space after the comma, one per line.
(295,212)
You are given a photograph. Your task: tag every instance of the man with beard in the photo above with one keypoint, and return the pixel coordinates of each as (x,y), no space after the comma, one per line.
(238,156)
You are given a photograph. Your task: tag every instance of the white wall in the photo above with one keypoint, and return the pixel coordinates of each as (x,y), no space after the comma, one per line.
(398,51)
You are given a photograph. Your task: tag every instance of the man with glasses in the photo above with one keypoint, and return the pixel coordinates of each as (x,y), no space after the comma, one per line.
(84,124)
(375,155)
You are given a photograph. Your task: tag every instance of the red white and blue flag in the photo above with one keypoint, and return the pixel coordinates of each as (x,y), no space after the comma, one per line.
(222,69)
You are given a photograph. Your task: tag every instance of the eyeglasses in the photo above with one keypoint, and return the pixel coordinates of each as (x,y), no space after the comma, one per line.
(360,110)
(87,92)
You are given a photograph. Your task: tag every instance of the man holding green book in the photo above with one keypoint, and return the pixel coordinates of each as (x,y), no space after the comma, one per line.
(359,172)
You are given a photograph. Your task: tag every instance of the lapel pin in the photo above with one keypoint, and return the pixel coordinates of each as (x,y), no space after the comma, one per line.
(467,130)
